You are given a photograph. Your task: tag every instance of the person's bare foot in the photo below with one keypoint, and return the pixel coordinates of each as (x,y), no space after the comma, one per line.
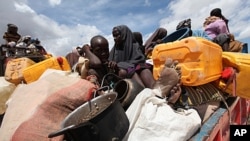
(168,84)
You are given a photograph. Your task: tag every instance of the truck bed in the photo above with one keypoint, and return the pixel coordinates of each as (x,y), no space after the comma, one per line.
(217,127)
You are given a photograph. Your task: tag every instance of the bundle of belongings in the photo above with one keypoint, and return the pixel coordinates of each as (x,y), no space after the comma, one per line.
(35,110)
(27,45)
(65,107)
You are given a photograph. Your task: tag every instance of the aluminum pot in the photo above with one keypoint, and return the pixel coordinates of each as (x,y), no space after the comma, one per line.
(127,90)
(101,119)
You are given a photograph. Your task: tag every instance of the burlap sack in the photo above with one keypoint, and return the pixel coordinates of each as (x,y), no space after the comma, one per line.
(37,109)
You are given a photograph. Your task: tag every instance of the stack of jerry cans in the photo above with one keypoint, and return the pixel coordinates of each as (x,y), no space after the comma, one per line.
(200,59)
(33,72)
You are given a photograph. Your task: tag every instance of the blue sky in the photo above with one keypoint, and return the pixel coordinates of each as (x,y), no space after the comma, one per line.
(64,24)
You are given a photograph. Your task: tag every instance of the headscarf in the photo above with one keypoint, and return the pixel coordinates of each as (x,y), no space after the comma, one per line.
(128,53)
(216,12)
(138,38)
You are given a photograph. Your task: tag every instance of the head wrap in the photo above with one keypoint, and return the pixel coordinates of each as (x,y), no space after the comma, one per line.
(128,53)
(216,12)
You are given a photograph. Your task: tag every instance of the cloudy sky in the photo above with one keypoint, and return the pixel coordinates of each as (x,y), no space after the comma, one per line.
(61,25)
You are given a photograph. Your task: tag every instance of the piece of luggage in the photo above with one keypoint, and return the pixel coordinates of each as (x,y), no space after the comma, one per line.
(14,69)
(33,72)
(241,63)
(200,59)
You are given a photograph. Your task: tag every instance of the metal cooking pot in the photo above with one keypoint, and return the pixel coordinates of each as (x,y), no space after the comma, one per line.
(127,90)
(101,119)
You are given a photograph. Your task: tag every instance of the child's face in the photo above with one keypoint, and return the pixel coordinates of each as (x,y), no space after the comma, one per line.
(101,50)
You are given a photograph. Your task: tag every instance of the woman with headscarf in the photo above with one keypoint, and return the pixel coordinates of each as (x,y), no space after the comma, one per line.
(217,12)
(155,38)
(216,26)
(127,58)
(138,38)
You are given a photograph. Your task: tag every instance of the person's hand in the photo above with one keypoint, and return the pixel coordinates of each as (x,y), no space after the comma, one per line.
(112,64)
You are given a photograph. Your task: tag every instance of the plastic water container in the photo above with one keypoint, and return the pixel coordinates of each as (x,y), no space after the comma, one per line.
(14,68)
(33,72)
(200,59)
(177,35)
(241,62)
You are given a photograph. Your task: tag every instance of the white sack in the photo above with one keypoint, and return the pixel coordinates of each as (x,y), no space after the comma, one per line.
(152,119)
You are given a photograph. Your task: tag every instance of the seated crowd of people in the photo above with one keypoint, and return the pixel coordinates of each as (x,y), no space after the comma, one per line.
(128,57)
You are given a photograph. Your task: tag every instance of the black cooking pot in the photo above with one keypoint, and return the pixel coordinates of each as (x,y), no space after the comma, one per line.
(101,119)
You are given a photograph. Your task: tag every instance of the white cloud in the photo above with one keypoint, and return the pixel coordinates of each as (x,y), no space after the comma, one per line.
(54,2)
(21,7)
